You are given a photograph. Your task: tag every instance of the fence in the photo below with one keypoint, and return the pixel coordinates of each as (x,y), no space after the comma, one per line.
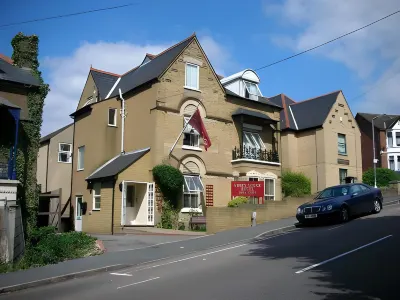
(12,244)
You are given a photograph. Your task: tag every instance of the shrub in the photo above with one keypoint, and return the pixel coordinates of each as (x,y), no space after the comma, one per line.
(170,182)
(383,177)
(235,202)
(169,216)
(295,184)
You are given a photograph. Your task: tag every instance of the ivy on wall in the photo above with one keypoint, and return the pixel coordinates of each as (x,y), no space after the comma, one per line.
(26,55)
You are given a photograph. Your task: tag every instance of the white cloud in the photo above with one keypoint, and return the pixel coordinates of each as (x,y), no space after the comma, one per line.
(364,52)
(67,74)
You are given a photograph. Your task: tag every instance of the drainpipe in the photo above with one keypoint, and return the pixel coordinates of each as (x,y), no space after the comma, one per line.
(112,205)
(316,158)
(123,116)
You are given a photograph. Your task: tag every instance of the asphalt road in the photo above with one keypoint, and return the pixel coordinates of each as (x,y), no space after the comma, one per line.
(358,260)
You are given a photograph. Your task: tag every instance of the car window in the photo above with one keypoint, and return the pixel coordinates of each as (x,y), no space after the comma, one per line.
(363,188)
(355,189)
(333,192)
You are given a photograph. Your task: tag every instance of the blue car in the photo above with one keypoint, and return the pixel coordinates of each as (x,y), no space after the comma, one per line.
(341,203)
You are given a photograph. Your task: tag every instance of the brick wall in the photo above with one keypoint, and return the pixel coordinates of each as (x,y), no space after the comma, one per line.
(225,218)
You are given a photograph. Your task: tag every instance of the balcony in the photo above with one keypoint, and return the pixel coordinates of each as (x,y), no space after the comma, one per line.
(250,154)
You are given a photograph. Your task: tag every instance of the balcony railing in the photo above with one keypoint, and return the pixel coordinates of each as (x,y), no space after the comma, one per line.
(255,154)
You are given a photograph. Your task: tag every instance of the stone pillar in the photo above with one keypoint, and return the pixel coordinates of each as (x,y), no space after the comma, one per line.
(8,201)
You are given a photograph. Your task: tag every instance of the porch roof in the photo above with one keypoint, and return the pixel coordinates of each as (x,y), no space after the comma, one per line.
(117,164)
(256,114)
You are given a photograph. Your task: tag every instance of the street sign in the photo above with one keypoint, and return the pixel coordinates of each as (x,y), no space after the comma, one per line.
(247,189)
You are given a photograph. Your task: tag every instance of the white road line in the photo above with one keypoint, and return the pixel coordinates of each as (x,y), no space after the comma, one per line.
(191,257)
(341,255)
(135,283)
(261,234)
(120,274)
(336,227)
(165,243)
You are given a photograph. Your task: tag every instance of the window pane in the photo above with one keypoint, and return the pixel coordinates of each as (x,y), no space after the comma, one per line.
(194,200)
(63,157)
(186,139)
(65,147)
(247,140)
(186,200)
(197,183)
(390,139)
(391,163)
(191,76)
(81,157)
(342,143)
(111,116)
(398,138)
(97,202)
(97,189)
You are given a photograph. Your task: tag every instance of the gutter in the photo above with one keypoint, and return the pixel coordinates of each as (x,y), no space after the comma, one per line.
(113,204)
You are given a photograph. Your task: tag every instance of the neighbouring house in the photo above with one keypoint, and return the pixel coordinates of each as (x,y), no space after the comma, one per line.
(15,84)
(387,140)
(113,157)
(320,138)
(54,166)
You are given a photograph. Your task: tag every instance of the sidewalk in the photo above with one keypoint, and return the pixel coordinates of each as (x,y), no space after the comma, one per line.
(119,260)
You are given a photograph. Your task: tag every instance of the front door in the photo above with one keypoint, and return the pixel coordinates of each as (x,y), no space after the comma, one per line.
(78,214)
(150,204)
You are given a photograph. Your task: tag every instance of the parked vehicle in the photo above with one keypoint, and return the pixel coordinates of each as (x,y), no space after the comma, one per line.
(341,203)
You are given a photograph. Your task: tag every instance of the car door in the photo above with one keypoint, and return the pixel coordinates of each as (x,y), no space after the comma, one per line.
(355,201)
(367,199)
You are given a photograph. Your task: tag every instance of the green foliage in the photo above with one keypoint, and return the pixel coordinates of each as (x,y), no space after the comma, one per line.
(26,55)
(383,177)
(169,216)
(47,247)
(295,184)
(170,182)
(235,202)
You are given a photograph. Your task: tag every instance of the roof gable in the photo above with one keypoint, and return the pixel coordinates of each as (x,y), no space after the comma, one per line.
(151,70)
(54,133)
(16,74)
(383,122)
(104,81)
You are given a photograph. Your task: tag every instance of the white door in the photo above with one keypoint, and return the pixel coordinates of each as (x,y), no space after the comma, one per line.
(150,204)
(78,213)
(123,208)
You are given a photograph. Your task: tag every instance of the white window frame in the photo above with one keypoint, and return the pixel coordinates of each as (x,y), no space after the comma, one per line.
(198,77)
(89,100)
(270,195)
(394,162)
(387,139)
(345,144)
(191,192)
(115,117)
(69,153)
(79,164)
(248,91)
(188,128)
(395,138)
(96,196)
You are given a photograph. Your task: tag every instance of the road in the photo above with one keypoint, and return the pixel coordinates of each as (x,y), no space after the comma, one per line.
(357,260)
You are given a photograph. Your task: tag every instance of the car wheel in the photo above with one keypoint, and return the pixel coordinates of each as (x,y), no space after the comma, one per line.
(377,206)
(344,214)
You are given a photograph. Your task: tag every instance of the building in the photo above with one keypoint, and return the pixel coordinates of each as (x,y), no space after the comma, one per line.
(113,157)
(54,167)
(320,138)
(387,140)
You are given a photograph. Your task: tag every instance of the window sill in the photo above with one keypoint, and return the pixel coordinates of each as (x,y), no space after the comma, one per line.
(64,162)
(192,89)
(192,148)
(78,170)
(262,162)
(110,125)
(191,210)
(96,209)
(343,154)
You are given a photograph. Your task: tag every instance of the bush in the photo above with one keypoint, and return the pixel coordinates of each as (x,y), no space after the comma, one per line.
(170,182)
(45,247)
(169,216)
(383,177)
(295,184)
(235,202)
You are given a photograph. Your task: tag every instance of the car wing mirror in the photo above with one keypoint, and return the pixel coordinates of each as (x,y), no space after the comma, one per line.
(354,194)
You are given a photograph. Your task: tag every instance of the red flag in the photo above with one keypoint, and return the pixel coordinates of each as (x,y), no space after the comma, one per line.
(197,123)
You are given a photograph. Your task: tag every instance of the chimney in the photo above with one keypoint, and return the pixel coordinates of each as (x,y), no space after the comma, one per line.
(25,53)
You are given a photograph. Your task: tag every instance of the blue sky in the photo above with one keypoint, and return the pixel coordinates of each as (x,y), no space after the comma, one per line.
(235,35)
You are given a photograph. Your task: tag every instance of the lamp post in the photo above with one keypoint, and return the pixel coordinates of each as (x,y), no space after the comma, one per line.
(373,145)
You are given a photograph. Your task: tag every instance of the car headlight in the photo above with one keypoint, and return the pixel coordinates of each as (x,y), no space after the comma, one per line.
(299,211)
(329,207)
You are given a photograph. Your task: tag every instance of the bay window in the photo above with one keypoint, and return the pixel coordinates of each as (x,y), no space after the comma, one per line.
(269,186)
(192,187)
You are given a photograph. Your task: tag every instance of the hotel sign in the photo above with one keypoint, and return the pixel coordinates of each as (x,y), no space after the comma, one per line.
(247,189)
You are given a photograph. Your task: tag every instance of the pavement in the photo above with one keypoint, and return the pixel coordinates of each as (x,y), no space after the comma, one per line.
(244,263)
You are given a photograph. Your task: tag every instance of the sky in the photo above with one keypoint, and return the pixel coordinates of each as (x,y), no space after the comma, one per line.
(234,35)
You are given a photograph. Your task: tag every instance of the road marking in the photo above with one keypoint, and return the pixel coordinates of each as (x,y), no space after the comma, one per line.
(120,274)
(191,257)
(165,243)
(341,255)
(336,227)
(261,234)
(135,283)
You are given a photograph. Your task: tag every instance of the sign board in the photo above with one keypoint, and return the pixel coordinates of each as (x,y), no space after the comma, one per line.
(247,189)
(343,162)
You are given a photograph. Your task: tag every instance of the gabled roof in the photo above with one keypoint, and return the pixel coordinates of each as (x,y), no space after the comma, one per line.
(151,70)
(262,100)
(53,134)
(104,81)
(13,73)
(383,122)
(306,114)
(117,164)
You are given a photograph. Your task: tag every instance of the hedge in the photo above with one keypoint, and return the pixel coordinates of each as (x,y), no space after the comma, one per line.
(235,202)
(383,177)
(170,182)
(295,184)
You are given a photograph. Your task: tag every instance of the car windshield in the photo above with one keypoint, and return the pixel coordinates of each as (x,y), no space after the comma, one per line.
(333,192)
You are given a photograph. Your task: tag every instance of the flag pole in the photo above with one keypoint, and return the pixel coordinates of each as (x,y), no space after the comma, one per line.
(184,127)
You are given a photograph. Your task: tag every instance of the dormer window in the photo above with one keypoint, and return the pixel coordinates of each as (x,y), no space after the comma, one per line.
(252,91)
